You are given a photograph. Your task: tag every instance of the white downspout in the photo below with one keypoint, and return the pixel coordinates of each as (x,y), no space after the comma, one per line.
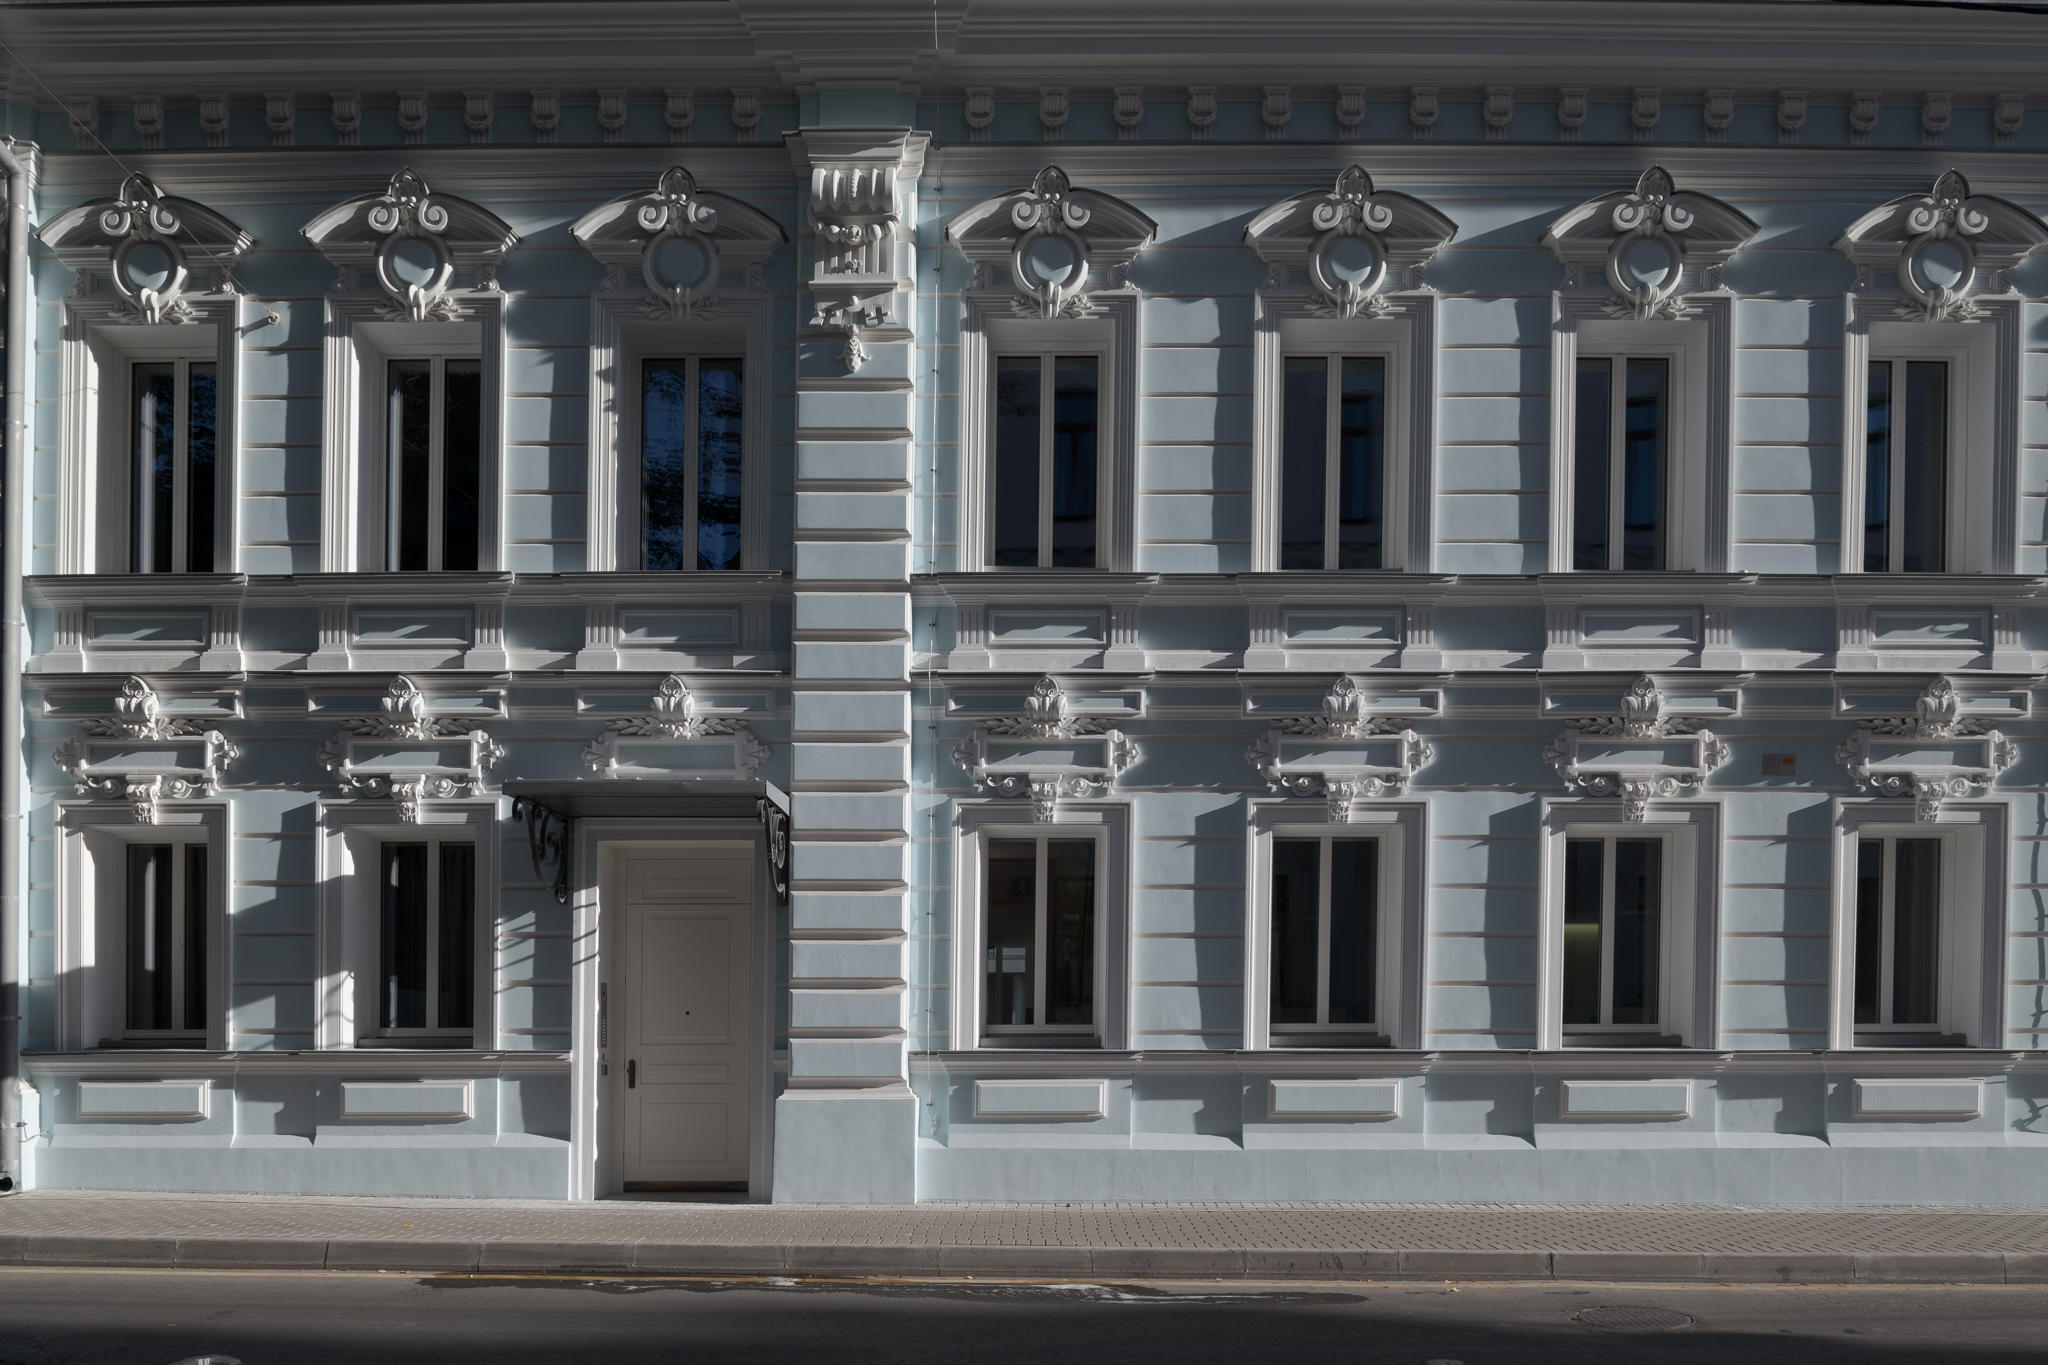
(20,343)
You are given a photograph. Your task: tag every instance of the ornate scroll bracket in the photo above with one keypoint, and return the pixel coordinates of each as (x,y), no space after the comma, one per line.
(138,716)
(1354,241)
(1340,753)
(412,242)
(139,240)
(549,837)
(674,721)
(1894,755)
(1640,755)
(1024,754)
(854,213)
(1648,244)
(679,239)
(382,755)
(1052,238)
(1948,248)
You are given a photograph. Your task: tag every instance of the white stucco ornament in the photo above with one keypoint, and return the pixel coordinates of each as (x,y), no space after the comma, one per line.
(1946,248)
(1934,755)
(1049,261)
(1650,245)
(413,242)
(1341,753)
(679,239)
(1644,753)
(147,244)
(1356,243)
(1053,239)
(410,755)
(102,768)
(636,744)
(1022,754)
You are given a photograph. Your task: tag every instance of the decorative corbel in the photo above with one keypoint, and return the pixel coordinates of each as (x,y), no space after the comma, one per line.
(1276,107)
(1498,111)
(1791,115)
(1893,755)
(679,111)
(545,114)
(1936,109)
(1718,113)
(1863,110)
(611,114)
(854,214)
(1571,112)
(2008,111)
(980,111)
(477,113)
(1350,110)
(149,121)
(1422,111)
(1345,754)
(1007,754)
(1052,112)
(412,116)
(213,118)
(345,113)
(1128,111)
(279,114)
(1646,106)
(1201,111)
(1602,755)
(746,114)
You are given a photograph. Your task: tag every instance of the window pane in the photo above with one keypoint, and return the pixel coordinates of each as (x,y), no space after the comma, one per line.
(1877,471)
(1638,905)
(149,936)
(156,428)
(1304,455)
(1591,442)
(402,940)
(455,990)
(664,462)
(718,464)
(1647,415)
(1070,932)
(461,462)
(1296,895)
(1583,872)
(193,1007)
(1073,461)
(1013,513)
(1354,920)
(1012,929)
(1924,467)
(201,455)
(411,409)
(1869,928)
(1916,920)
(1361,462)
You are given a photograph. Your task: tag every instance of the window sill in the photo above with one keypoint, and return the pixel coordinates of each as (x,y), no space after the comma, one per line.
(1622,1040)
(1040,1042)
(1911,1040)
(1283,1042)
(464,1043)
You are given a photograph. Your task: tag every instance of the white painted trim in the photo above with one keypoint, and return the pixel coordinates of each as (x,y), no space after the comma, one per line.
(91,1093)
(369,1063)
(1643,1092)
(1375,1099)
(987,1095)
(361,1100)
(1867,1102)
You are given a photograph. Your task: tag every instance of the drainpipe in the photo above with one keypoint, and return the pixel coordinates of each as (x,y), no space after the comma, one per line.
(13,489)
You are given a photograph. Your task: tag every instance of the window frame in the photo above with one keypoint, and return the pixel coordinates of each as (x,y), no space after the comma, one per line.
(1680,539)
(1048,359)
(181,464)
(428,1034)
(1013,1035)
(182,914)
(692,363)
(1973,472)
(437,467)
(1333,360)
(1666,922)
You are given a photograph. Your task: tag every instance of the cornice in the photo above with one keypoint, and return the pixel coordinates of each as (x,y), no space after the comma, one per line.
(1371,1063)
(383,1063)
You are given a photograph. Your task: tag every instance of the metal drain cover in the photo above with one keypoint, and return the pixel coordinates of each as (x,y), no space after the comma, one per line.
(1633,1318)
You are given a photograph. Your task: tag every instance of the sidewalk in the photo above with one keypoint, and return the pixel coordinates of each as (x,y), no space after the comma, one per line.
(1038,1241)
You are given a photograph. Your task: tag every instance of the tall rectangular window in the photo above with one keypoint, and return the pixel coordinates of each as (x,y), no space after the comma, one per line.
(433,463)
(1620,463)
(1905,479)
(166,938)
(1325,936)
(426,938)
(1044,485)
(1614,897)
(690,440)
(1039,941)
(175,471)
(1898,933)
(1333,462)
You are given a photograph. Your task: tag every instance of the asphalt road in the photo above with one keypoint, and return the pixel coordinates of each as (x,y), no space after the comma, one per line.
(161,1317)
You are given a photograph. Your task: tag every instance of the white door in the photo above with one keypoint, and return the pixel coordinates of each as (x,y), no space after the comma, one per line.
(681,1064)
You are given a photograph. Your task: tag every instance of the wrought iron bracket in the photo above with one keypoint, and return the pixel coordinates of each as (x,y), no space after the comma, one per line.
(775,824)
(548,835)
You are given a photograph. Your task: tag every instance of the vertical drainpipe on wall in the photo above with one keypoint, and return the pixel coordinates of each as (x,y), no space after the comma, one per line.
(13,848)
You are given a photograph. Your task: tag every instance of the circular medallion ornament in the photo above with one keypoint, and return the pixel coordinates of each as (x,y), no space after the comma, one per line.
(142,264)
(1936,270)
(680,266)
(1348,266)
(416,269)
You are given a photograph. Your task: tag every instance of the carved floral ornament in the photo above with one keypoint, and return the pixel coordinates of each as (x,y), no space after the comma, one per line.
(381,755)
(1354,242)
(1901,755)
(1625,755)
(1649,244)
(679,239)
(146,244)
(1052,239)
(413,242)
(1353,755)
(1946,247)
(1016,755)
(674,719)
(108,769)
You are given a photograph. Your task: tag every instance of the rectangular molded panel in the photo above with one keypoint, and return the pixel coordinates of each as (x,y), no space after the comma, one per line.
(1946,1099)
(1039,628)
(1625,1099)
(405,1099)
(1339,629)
(654,629)
(1380,1099)
(1639,628)
(407,629)
(169,628)
(143,1099)
(1895,629)
(1041,1099)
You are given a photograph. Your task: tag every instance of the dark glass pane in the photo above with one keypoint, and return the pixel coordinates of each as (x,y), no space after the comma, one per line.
(201,460)
(1012,930)
(411,415)
(1013,516)
(1297,870)
(1877,472)
(1304,460)
(1647,418)
(156,434)
(718,464)
(1070,932)
(462,456)
(1583,871)
(1924,467)
(194,1004)
(1869,928)
(664,463)
(456,989)
(149,936)
(1638,906)
(1591,442)
(402,938)
(1916,924)
(1354,922)
(1074,399)
(1361,462)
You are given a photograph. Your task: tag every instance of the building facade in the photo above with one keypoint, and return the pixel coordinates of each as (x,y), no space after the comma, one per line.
(991,602)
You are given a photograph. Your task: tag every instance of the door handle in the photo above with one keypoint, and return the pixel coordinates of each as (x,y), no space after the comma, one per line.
(632,1073)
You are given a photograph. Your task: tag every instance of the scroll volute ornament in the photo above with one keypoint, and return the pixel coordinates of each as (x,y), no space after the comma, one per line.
(1948,247)
(146,243)
(674,214)
(1650,244)
(412,242)
(1050,259)
(1356,242)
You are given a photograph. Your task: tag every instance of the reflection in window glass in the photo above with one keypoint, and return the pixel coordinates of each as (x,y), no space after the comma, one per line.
(1621,524)
(1905,468)
(1073,462)
(173,475)
(426,937)
(166,938)
(1044,475)
(1613,927)
(434,463)
(1898,927)
(1325,904)
(1333,462)
(1039,932)
(692,427)
(1013,541)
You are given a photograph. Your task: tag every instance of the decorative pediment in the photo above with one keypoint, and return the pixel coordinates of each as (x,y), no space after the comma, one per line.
(679,242)
(1355,242)
(673,740)
(143,756)
(1047,752)
(1946,247)
(1340,753)
(1932,755)
(1651,246)
(413,243)
(408,754)
(148,245)
(1642,754)
(1052,239)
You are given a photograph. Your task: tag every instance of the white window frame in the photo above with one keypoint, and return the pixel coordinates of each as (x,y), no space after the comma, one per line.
(1401,830)
(622,339)
(437,470)
(92,907)
(1689,941)
(1697,494)
(1111,333)
(434,844)
(352,835)
(181,461)
(1048,358)
(96,444)
(182,913)
(1667,895)
(976,824)
(1971,981)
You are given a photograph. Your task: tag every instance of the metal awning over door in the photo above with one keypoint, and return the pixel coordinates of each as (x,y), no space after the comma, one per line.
(550,808)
